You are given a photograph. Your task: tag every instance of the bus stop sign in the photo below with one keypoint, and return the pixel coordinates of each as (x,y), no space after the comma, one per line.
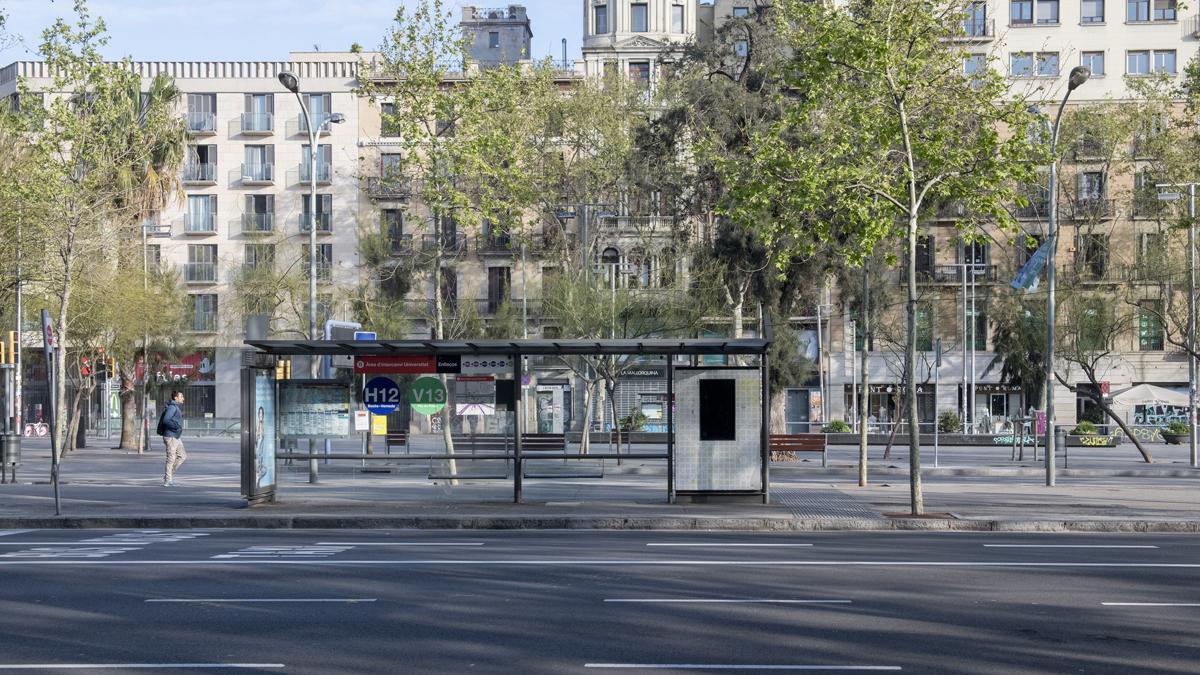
(381,395)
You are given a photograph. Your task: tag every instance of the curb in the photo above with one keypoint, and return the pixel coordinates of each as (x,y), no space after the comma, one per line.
(599,523)
(989,472)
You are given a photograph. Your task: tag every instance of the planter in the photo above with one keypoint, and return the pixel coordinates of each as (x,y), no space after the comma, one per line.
(1173,439)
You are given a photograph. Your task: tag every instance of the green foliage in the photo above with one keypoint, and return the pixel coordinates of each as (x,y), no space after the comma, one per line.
(634,421)
(1178,428)
(1084,428)
(836,427)
(949,423)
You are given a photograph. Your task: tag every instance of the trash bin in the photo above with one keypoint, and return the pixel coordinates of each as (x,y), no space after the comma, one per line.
(10,454)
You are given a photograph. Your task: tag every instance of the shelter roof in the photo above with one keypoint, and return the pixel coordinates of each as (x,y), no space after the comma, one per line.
(540,347)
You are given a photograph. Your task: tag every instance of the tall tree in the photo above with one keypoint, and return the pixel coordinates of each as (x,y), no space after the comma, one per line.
(884,126)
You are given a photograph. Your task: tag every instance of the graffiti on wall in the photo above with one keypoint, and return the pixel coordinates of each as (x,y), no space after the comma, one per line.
(1012,440)
(1159,414)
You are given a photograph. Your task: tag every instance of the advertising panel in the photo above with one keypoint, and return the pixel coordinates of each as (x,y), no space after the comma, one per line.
(259,434)
(475,395)
(314,409)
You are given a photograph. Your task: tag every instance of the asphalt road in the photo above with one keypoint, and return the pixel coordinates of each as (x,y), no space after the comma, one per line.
(596,601)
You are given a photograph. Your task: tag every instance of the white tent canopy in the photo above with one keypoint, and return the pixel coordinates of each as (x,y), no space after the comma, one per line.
(1144,394)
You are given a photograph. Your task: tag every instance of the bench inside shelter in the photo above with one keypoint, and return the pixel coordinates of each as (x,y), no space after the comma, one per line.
(781,444)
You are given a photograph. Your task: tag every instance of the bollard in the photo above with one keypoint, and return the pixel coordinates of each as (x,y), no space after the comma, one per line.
(10,455)
(1060,441)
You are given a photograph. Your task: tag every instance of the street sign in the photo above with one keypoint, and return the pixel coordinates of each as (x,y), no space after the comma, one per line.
(486,364)
(366,335)
(381,395)
(394,365)
(427,395)
(379,425)
(341,330)
(362,420)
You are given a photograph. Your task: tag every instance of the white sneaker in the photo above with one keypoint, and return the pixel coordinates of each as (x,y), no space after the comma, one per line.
(168,483)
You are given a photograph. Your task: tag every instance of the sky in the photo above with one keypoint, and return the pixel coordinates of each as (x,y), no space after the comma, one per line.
(250,30)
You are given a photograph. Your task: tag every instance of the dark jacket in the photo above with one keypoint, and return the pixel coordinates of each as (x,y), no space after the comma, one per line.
(171,422)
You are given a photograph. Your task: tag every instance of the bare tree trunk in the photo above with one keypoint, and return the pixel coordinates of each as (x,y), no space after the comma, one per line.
(610,390)
(1125,429)
(438,329)
(887,449)
(76,407)
(865,402)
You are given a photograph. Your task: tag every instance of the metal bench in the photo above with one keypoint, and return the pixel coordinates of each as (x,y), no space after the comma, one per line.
(555,445)
(793,443)
(396,439)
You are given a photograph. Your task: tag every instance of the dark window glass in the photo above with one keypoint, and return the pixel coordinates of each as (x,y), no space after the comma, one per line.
(718,410)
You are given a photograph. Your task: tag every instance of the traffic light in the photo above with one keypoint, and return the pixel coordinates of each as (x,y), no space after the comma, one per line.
(12,346)
(283,369)
(84,368)
(112,366)
(3,353)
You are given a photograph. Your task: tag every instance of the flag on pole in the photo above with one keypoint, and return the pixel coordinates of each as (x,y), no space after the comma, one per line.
(1027,277)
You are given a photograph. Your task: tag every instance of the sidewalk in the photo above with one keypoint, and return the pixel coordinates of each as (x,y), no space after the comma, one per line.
(1105,489)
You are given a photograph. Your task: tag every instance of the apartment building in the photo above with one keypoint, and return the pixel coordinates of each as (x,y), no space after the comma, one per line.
(244,204)
(1105,222)
(500,35)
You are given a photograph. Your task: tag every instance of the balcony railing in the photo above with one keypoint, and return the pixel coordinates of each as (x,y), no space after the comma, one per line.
(953,274)
(200,273)
(200,172)
(1035,209)
(321,120)
(662,224)
(497,245)
(1090,209)
(257,123)
(324,270)
(324,172)
(449,244)
(977,29)
(258,174)
(204,322)
(199,223)
(1149,207)
(202,122)
(388,187)
(552,242)
(401,245)
(258,223)
(324,222)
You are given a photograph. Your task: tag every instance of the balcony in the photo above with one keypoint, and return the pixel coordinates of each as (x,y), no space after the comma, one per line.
(257,124)
(388,187)
(201,123)
(553,243)
(639,224)
(324,271)
(1090,210)
(497,245)
(258,223)
(951,211)
(1149,206)
(1096,271)
(977,30)
(324,222)
(321,120)
(1034,210)
(200,173)
(447,243)
(257,174)
(1191,27)
(324,173)
(154,228)
(200,223)
(953,274)
(200,273)
(401,245)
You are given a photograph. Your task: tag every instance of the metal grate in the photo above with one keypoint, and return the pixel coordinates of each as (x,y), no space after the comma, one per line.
(823,503)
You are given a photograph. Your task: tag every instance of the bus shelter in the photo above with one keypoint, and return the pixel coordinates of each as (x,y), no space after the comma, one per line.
(717,415)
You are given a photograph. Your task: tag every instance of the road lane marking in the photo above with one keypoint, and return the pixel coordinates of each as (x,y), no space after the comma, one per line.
(301,551)
(1151,604)
(1062,546)
(70,552)
(400,543)
(732,601)
(9,533)
(131,666)
(730,666)
(224,600)
(708,545)
(591,562)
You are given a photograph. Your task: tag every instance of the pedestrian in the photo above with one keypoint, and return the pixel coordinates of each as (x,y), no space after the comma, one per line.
(170,427)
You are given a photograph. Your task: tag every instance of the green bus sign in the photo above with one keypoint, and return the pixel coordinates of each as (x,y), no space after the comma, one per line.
(427,395)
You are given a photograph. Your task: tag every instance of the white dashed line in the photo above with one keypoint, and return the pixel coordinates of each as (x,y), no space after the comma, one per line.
(1151,604)
(722,545)
(399,543)
(232,600)
(732,601)
(131,666)
(729,666)
(1061,546)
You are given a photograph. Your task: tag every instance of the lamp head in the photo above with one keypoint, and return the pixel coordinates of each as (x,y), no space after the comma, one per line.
(1079,75)
(289,81)
(337,118)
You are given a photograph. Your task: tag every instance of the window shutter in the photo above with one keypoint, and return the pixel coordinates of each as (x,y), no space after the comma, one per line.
(271,103)
(212,155)
(270,154)
(250,204)
(270,203)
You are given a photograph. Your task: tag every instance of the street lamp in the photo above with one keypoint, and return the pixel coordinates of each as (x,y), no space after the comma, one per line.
(292,84)
(1168,197)
(1079,75)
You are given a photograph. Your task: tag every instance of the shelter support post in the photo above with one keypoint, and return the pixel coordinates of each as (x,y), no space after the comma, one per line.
(518,424)
(766,427)
(670,429)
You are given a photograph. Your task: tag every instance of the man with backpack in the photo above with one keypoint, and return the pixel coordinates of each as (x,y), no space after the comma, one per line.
(170,427)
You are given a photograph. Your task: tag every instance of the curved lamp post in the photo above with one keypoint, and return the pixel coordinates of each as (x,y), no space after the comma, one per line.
(289,82)
(1079,75)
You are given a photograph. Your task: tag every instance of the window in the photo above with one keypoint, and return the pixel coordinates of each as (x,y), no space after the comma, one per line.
(259,163)
(741,48)
(258,112)
(448,287)
(1047,11)
(499,283)
(1047,64)
(1164,61)
(676,18)
(974,63)
(1091,255)
(1028,245)
(978,325)
(1020,64)
(260,256)
(639,71)
(154,257)
(741,12)
(975,25)
(201,214)
(637,17)
(924,328)
(1092,323)
(925,254)
(975,253)
(1093,61)
(201,164)
(1164,10)
(202,113)
(319,106)
(390,164)
(1092,11)
(1150,328)
(1137,63)
(260,213)
(1090,185)
(202,263)
(324,261)
(204,313)
(601,19)
(1020,12)
(324,163)
(1137,10)
(493,40)
(324,213)
(718,410)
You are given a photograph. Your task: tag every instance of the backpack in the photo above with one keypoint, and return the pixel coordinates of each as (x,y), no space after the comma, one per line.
(162,426)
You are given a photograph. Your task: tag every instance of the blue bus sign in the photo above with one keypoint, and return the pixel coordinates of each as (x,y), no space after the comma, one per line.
(381,395)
